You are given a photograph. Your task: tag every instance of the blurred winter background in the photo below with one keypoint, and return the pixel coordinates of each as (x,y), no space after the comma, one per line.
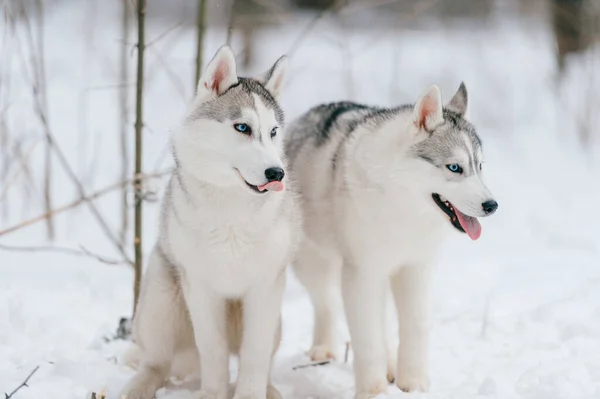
(516,314)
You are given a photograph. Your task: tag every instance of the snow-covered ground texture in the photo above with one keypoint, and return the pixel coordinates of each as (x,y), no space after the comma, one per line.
(516,314)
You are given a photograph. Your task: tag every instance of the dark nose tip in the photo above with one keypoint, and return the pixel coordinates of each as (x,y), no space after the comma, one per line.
(489,207)
(274,174)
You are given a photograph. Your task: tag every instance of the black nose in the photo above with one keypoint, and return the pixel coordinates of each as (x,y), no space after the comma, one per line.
(274,174)
(489,207)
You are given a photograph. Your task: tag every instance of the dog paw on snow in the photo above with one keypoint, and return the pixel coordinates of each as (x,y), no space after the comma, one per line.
(319,353)
(413,383)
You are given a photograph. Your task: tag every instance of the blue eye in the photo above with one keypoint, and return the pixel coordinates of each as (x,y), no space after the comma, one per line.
(274,132)
(242,128)
(454,168)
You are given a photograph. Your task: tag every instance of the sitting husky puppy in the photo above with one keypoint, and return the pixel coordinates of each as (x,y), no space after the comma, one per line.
(378,188)
(229,227)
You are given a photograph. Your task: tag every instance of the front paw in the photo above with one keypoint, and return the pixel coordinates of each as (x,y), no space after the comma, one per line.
(320,353)
(273,393)
(380,388)
(408,382)
(391,370)
(201,394)
(371,394)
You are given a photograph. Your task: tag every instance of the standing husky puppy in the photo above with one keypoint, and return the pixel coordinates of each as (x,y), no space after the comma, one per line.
(378,187)
(216,276)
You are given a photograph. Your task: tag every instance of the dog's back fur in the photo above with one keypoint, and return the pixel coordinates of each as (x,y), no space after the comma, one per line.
(367,178)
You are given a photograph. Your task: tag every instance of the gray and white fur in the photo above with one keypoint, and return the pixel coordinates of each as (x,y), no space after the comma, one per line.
(216,276)
(368,180)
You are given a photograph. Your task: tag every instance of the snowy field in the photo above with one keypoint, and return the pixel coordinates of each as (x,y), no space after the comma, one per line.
(516,314)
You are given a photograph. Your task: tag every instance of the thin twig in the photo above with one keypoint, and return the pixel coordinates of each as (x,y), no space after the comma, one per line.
(70,251)
(201,26)
(123,134)
(347,353)
(311,25)
(164,34)
(39,90)
(71,174)
(313,364)
(137,240)
(71,205)
(44,101)
(23,384)
(173,77)
(230,23)
(22,167)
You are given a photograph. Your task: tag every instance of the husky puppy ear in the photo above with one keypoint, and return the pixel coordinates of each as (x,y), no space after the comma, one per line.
(220,74)
(427,113)
(273,79)
(459,102)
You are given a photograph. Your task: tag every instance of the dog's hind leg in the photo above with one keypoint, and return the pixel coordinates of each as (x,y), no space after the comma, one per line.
(159,322)
(320,274)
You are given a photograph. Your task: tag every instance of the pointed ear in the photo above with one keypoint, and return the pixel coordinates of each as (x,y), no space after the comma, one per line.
(459,102)
(220,73)
(273,79)
(427,113)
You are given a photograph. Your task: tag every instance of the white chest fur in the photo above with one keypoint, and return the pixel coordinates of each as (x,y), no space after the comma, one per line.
(388,231)
(229,243)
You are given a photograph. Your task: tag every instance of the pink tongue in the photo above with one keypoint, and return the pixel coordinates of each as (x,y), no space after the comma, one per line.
(469,224)
(271,186)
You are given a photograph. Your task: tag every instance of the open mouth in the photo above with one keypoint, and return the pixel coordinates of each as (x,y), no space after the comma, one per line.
(255,188)
(460,221)
(263,188)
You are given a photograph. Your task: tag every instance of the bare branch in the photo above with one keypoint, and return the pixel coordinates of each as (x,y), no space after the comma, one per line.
(86,198)
(70,251)
(201,27)
(313,364)
(173,77)
(43,99)
(22,167)
(40,110)
(347,353)
(164,34)
(39,90)
(123,100)
(308,28)
(23,384)
(137,241)
(230,23)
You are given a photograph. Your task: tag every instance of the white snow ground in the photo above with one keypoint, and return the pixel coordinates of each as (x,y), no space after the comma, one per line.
(516,314)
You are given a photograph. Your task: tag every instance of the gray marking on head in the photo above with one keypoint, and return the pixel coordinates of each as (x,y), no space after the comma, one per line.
(446,138)
(229,105)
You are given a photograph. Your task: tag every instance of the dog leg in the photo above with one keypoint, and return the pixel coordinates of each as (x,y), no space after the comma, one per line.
(160,311)
(272,392)
(207,311)
(261,315)
(364,295)
(391,334)
(320,277)
(411,292)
